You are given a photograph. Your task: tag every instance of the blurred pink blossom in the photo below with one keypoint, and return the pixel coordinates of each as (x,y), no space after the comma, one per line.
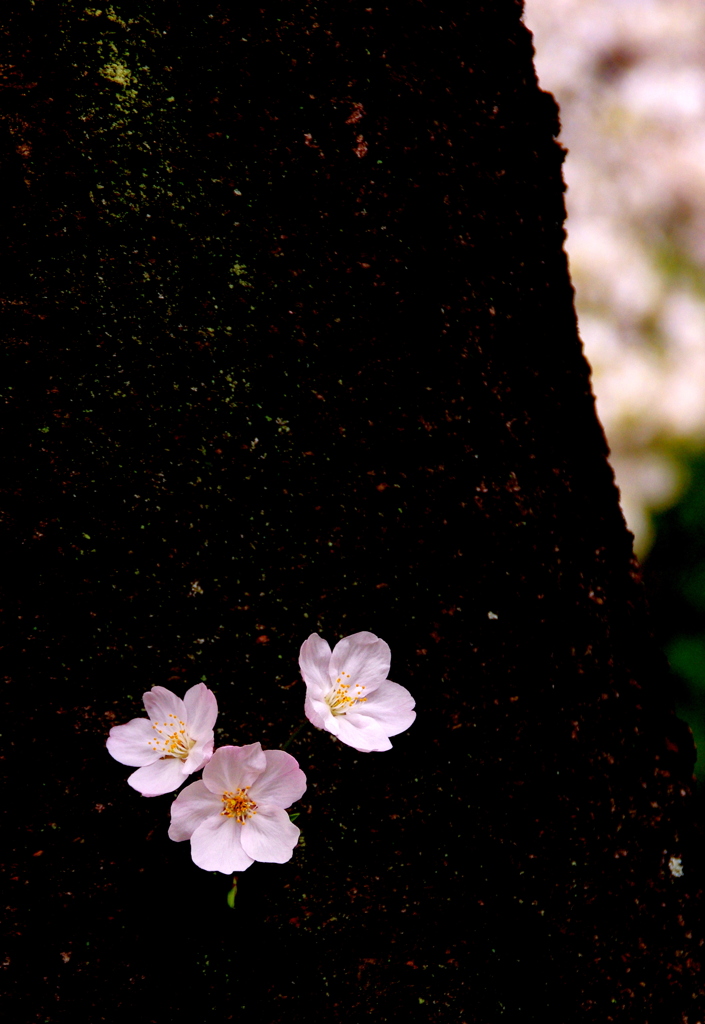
(630,80)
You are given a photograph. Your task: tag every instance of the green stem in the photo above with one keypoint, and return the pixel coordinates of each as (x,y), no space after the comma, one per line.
(294,734)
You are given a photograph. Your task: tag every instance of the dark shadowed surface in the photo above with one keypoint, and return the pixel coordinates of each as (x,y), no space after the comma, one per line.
(290,347)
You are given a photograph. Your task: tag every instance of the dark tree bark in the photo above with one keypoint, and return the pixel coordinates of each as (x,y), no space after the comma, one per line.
(292,348)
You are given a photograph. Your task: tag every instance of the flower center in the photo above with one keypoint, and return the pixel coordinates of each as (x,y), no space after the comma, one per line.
(238,805)
(172,739)
(339,699)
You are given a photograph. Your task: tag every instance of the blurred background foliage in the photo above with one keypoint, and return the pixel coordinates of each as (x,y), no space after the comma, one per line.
(675,577)
(629,76)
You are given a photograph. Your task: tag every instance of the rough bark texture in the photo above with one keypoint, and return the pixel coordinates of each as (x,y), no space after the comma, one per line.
(292,348)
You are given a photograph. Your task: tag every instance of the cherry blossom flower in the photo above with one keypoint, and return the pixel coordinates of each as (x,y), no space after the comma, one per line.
(175,741)
(236,814)
(348,693)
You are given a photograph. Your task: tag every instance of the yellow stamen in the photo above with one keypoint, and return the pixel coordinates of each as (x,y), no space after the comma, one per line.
(176,743)
(339,700)
(238,806)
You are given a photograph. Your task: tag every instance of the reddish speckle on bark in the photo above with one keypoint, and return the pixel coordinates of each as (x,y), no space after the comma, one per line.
(357,114)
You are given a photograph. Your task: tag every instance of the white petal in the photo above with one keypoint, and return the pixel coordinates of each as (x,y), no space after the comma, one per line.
(233,768)
(314,660)
(362,733)
(270,835)
(201,711)
(391,706)
(282,783)
(130,743)
(190,809)
(318,713)
(216,846)
(198,756)
(164,776)
(162,703)
(360,660)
